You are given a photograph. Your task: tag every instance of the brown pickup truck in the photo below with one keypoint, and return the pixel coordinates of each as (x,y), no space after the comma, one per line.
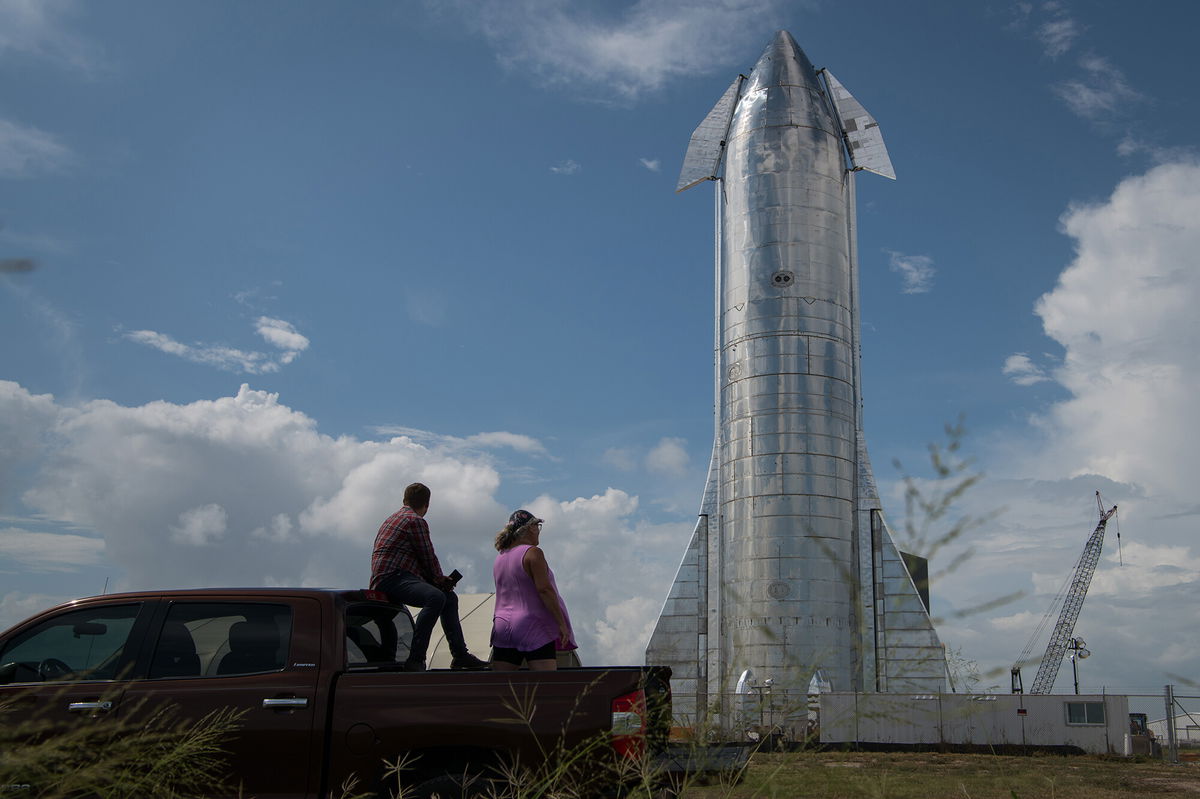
(318,675)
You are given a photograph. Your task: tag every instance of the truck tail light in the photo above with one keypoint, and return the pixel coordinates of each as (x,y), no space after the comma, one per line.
(629,724)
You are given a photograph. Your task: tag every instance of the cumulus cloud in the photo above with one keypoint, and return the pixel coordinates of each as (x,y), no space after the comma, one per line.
(28,152)
(653,164)
(244,490)
(276,332)
(611,55)
(604,528)
(568,167)
(669,457)
(1023,371)
(23,427)
(1123,313)
(202,525)
(916,271)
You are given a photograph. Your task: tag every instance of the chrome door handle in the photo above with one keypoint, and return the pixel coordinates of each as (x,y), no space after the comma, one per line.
(79,707)
(277,704)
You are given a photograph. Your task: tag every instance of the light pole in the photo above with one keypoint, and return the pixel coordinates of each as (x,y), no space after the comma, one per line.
(1078,653)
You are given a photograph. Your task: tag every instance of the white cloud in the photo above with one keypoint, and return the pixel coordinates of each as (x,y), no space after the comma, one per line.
(16,606)
(1124,313)
(25,420)
(229,359)
(28,152)
(606,54)
(568,167)
(282,335)
(478,442)
(515,441)
(1023,371)
(275,332)
(1101,93)
(669,457)
(1058,35)
(653,164)
(612,569)
(244,490)
(917,271)
(626,628)
(49,552)
(622,458)
(201,525)
(39,28)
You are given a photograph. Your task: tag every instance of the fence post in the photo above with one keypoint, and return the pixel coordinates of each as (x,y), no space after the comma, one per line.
(1172,745)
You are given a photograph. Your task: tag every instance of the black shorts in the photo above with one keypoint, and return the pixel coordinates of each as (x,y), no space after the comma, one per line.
(515,656)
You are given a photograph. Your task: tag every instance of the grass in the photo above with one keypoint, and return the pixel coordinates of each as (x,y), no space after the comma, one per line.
(158,756)
(910,775)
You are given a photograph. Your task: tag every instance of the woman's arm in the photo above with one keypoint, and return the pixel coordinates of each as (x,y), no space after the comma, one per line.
(534,562)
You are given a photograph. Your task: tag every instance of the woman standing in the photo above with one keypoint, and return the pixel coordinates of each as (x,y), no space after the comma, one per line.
(530,622)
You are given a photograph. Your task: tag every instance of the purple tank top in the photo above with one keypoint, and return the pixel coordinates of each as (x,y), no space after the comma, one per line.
(521,620)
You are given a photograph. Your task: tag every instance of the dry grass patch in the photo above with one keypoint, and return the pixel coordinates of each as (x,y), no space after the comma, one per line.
(902,775)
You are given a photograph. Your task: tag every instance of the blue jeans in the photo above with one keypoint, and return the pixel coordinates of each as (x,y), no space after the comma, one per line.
(406,588)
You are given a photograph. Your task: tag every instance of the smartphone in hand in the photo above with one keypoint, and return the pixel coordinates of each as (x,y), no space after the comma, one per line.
(455,576)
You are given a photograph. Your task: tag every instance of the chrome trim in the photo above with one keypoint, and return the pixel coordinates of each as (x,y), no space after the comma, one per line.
(291,702)
(80,707)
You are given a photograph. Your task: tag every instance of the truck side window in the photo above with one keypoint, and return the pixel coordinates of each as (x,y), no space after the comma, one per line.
(217,639)
(79,645)
(377,635)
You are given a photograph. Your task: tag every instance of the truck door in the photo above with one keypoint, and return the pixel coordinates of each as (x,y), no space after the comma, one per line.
(260,658)
(69,670)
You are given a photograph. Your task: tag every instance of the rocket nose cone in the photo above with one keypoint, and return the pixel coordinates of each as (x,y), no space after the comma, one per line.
(783,63)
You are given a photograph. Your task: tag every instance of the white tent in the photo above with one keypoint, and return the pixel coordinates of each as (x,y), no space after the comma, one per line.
(475,611)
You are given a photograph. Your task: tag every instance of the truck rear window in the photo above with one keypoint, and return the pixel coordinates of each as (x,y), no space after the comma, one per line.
(377,635)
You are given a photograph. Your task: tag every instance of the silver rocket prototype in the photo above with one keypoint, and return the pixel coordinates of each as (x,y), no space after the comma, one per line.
(791,573)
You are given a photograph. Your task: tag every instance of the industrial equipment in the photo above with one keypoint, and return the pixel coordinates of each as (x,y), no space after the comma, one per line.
(1072,602)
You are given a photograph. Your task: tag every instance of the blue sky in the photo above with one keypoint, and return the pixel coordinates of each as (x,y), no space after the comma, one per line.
(292,256)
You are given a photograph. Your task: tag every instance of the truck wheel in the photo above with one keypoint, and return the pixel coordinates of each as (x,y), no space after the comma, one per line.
(450,786)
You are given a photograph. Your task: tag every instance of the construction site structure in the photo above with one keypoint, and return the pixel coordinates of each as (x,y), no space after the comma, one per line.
(1072,604)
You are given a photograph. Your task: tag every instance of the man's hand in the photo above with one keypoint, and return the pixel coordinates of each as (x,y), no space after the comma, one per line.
(444,583)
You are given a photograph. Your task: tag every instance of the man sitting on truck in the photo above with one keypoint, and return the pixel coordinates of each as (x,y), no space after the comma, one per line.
(405,567)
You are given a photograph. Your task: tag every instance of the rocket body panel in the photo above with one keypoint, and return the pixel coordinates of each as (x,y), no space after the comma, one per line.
(787,399)
(801,571)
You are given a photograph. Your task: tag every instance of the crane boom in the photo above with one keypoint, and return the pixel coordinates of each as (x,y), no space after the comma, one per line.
(1061,635)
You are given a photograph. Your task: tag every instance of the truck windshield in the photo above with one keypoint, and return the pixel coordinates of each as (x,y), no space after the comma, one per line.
(377,635)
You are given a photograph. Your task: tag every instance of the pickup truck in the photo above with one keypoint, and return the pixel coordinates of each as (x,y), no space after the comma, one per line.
(318,675)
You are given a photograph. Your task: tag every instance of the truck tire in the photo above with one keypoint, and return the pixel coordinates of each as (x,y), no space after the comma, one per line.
(451,786)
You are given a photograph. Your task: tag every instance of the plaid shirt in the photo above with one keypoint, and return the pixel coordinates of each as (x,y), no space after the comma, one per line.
(403,545)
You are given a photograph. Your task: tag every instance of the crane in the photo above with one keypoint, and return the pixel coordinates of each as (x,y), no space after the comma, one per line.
(1072,603)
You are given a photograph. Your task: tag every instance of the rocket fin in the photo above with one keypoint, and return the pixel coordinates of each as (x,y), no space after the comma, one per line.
(707,147)
(679,639)
(863,137)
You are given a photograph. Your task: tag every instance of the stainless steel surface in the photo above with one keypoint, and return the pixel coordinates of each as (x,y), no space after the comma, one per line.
(791,567)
